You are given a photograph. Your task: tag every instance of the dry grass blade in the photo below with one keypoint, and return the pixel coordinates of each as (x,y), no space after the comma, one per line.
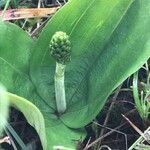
(5,140)
(89,145)
(114,99)
(13,14)
(136,128)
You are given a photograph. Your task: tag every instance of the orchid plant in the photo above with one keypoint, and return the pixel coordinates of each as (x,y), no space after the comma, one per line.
(106,41)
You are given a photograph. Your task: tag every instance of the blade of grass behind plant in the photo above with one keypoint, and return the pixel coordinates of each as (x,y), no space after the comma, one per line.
(136,95)
(16,137)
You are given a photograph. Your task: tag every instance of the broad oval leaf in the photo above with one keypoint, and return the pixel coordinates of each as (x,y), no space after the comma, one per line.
(126,52)
(14,67)
(58,134)
(15,52)
(13,37)
(90,25)
(110,40)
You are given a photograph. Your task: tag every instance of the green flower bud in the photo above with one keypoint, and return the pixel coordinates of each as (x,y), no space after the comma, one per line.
(60,47)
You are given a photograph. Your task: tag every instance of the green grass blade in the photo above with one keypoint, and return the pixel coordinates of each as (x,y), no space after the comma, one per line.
(137,100)
(16,137)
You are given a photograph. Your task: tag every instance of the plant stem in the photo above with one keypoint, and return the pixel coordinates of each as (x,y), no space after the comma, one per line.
(60,88)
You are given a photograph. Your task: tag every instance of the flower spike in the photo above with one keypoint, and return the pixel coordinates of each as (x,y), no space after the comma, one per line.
(60,50)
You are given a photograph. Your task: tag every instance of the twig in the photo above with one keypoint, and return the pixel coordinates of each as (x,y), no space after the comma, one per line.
(86,147)
(11,140)
(109,111)
(105,135)
(136,128)
(105,146)
(39,5)
(5,140)
(97,140)
(37,30)
(58,3)
(139,140)
(24,13)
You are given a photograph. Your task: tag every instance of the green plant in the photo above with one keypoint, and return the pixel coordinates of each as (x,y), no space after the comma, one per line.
(142,101)
(109,41)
